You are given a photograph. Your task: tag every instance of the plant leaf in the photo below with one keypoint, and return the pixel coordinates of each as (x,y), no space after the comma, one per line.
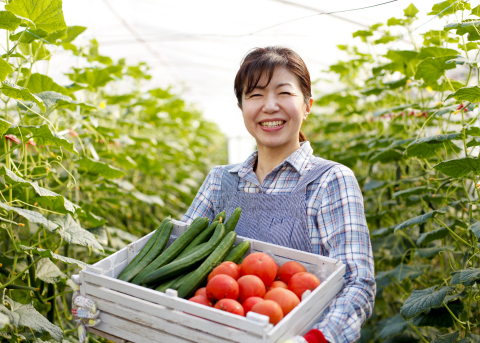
(46,14)
(459,167)
(421,218)
(432,252)
(432,68)
(99,168)
(4,126)
(403,271)
(51,98)
(435,51)
(411,11)
(50,254)
(466,276)
(49,272)
(17,92)
(422,300)
(149,199)
(28,316)
(394,109)
(392,326)
(72,232)
(5,69)
(410,191)
(34,217)
(475,228)
(470,94)
(9,21)
(448,338)
(431,236)
(39,83)
(372,184)
(439,317)
(426,147)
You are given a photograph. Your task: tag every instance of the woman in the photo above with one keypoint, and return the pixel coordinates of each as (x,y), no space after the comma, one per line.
(290,197)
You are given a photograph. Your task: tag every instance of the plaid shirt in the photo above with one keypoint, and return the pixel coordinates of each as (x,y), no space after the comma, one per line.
(336,225)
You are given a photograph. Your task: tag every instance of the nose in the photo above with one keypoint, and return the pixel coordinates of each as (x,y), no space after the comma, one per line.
(271,104)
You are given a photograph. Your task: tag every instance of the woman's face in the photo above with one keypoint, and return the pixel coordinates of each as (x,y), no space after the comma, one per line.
(273,113)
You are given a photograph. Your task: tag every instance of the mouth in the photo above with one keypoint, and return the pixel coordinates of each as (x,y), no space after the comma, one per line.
(272,124)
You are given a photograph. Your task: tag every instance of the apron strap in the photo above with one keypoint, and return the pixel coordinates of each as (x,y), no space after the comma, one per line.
(314,174)
(228,184)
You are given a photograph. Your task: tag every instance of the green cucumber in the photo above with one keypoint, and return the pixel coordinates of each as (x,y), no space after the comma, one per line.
(238,251)
(26,288)
(173,250)
(196,278)
(181,265)
(163,287)
(201,238)
(156,250)
(220,215)
(144,250)
(233,220)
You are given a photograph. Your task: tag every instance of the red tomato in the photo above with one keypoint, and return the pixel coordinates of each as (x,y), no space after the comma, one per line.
(201,291)
(288,269)
(222,286)
(284,297)
(230,305)
(278,268)
(250,302)
(261,265)
(278,284)
(269,308)
(301,282)
(201,299)
(250,286)
(226,268)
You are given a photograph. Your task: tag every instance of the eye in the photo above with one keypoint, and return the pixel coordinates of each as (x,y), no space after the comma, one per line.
(288,93)
(255,95)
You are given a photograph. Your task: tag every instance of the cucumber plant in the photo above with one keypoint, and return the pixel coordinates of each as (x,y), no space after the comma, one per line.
(85,167)
(405,120)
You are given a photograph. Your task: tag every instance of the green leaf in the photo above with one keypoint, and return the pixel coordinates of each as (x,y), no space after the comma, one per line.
(445,8)
(448,338)
(470,94)
(34,217)
(4,126)
(421,218)
(73,32)
(373,184)
(58,100)
(395,21)
(459,167)
(94,78)
(403,271)
(46,14)
(42,135)
(3,321)
(5,69)
(372,91)
(466,276)
(474,142)
(27,316)
(439,317)
(426,147)
(410,191)
(476,11)
(99,168)
(423,300)
(474,338)
(432,252)
(394,109)
(431,236)
(460,60)
(386,156)
(50,254)
(39,83)
(432,68)
(9,21)
(17,92)
(149,199)
(435,51)
(475,228)
(396,84)
(411,11)
(401,56)
(49,272)
(72,232)
(392,326)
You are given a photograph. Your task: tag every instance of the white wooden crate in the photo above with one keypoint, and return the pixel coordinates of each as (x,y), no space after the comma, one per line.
(131,313)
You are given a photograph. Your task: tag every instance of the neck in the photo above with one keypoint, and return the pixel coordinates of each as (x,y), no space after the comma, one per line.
(268,158)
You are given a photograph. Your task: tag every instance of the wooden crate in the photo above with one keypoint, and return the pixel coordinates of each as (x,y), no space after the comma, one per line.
(132,313)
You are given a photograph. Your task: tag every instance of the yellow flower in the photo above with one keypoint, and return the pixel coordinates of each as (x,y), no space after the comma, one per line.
(439,103)
(457,111)
(429,89)
(102,105)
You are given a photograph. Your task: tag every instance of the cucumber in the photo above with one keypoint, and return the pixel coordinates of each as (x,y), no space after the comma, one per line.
(233,220)
(174,283)
(201,238)
(196,278)
(156,250)
(26,288)
(220,215)
(186,262)
(238,251)
(173,250)
(144,250)
(32,274)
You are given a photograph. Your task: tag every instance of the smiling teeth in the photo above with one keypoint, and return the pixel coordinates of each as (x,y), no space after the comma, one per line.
(272,123)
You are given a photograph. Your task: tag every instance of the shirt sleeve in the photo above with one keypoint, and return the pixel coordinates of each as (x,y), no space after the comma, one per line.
(345,236)
(202,205)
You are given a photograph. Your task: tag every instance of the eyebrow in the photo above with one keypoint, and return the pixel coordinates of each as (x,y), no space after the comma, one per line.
(277,86)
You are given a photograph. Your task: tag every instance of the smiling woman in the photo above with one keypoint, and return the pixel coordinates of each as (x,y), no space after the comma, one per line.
(288,196)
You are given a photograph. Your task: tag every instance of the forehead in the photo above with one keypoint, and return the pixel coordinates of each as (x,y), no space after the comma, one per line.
(279,76)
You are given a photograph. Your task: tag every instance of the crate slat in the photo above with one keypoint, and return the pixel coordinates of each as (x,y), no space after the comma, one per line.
(103,334)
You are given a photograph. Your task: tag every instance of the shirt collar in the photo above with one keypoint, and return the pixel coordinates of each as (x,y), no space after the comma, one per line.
(299,160)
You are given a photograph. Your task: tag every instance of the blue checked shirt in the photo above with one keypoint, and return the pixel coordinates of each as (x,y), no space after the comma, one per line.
(336,225)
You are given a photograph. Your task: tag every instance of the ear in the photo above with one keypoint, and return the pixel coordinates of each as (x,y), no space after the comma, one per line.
(308,108)
(239,106)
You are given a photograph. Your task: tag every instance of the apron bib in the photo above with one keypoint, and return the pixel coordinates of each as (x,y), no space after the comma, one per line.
(279,219)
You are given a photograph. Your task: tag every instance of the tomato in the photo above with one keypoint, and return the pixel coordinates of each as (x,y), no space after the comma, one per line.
(201,291)
(278,284)
(288,269)
(301,282)
(284,297)
(226,268)
(250,302)
(222,286)
(270,309)
(250,286)
(201,299)
(278,268)
(230,305)
(261,265)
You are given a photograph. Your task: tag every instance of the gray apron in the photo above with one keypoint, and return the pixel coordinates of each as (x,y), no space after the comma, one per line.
(279,219)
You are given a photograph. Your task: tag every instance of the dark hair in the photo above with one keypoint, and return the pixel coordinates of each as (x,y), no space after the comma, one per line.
(264,60)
